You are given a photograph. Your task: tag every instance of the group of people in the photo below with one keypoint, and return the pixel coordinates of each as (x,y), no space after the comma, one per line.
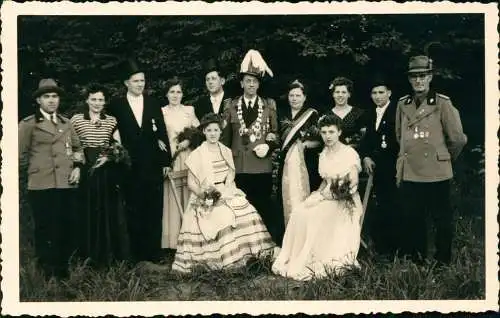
(87,203)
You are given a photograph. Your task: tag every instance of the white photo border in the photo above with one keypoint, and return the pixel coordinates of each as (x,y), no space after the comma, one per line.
(10,198)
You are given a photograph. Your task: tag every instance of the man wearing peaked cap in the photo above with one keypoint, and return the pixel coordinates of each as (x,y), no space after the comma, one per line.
(143,134)
(430,135)
(50,150)
(251,133)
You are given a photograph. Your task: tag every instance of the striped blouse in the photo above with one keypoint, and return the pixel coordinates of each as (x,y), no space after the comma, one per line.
(94,134)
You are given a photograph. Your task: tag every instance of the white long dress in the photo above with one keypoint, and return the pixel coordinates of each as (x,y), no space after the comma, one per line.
(176,119)
(322,235)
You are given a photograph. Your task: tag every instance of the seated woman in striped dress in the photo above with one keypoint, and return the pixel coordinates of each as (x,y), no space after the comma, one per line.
(217,232)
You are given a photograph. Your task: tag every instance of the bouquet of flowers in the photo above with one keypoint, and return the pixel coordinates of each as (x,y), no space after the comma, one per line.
(310,133)
(115,153)
(193,135)
(341,191)
(205,203)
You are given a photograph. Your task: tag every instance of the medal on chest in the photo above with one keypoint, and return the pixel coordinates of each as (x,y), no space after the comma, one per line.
(67,146)
(384,143)
(153,124)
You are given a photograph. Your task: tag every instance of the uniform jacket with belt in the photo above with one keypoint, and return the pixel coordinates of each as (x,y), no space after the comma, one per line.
(381,144)
(430,137)
(245,159)
(50,150)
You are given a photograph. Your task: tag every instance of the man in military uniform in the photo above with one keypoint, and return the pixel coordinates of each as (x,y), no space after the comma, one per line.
(430,134)
(50,148)
(250,132)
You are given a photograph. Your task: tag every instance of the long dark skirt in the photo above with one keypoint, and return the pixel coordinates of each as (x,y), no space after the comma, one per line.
(104,236)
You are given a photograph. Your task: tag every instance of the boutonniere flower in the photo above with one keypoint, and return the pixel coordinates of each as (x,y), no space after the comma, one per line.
(153,124)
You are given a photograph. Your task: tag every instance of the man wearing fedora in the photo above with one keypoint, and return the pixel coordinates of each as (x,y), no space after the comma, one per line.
(250,133)
(50,149)
(216,101)
(430,135)
(143,134)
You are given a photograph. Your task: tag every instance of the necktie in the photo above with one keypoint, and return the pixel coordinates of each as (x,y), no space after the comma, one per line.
(53,118)
(249,105)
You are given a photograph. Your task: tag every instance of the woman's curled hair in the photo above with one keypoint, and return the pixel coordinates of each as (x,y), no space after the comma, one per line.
(329,120)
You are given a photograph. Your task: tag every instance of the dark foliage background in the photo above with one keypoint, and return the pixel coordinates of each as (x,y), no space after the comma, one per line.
(77,50)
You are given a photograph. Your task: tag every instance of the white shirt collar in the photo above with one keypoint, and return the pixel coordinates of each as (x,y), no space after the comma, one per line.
(381,110)
(216,101)
(133,98)
(253,100)
(47,115)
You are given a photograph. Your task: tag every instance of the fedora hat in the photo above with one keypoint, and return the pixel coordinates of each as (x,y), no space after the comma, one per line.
(420,64)
(47,85)
(253,64)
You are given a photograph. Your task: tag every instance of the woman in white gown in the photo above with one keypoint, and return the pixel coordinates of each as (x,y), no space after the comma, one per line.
(323,234)
(177,117)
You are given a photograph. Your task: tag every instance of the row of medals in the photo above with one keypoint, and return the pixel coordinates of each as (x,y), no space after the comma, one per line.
(416,135)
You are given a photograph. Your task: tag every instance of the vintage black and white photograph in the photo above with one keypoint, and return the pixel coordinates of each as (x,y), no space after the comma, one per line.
(249,152)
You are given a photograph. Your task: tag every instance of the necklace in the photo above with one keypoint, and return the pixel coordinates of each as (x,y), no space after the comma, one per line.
(255,130)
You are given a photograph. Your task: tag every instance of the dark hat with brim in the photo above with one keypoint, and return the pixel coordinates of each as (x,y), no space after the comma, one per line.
(131,67)
(420,64)
(212,66)
(47,85)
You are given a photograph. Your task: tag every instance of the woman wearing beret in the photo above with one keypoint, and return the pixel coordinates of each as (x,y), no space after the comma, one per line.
(298,156)
(104,235)
(220,228)
(352,118)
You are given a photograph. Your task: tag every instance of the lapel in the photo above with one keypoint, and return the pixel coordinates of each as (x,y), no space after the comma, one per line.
(256,107)
(387,117)
(146,115)
(44,124)
(61,128)
(427,107)
(128,116)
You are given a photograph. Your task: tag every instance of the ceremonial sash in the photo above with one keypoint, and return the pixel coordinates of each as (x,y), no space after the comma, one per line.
(297,125)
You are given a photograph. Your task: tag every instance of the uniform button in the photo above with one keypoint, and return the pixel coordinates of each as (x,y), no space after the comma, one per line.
(406,154)
(425,154)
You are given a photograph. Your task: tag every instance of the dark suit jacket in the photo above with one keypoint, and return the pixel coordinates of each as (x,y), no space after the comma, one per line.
(372,144)
(204,106)
(142,142)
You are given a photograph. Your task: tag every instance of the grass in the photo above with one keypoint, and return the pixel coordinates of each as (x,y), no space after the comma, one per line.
(377,279)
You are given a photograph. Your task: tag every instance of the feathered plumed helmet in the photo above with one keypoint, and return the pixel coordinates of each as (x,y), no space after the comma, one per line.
(253,64)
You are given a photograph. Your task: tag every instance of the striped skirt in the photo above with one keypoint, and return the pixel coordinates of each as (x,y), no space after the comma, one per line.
(231,248)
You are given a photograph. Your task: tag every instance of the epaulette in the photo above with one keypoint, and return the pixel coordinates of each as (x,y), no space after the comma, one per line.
(30,117)
(442,96)
(406,99)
